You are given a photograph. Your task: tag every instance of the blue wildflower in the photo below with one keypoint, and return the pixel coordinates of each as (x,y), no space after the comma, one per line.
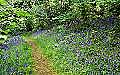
(11,70)
(38,32)
(4,46)
(82,44)
(25,65)
(89,42)
(5,56)
(110,19)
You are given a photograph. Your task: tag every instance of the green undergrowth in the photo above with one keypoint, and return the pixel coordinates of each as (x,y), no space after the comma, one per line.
(80,53)
(56,55)
(17,60)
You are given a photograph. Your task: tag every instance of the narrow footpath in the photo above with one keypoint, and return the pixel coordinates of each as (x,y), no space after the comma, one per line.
(41,65)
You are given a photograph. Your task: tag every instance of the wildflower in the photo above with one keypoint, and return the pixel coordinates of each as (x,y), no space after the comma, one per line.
(5,56)
(4,46)
(25,65)
(82,44)
(11,70)
(89,42)
(110,19)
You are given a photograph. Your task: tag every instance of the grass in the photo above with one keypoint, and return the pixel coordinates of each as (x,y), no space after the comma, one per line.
(57,55)
(16,60)
(74,58)
(69,54)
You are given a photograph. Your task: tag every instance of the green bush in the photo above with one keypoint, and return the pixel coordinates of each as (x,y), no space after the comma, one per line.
(15,20)
(47,14)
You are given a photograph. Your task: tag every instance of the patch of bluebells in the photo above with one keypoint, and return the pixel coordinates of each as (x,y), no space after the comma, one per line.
(15,54)
(15,40)
(25,65)
(93,49)
(38,32)
(11,70)
(5,56)
(4,46)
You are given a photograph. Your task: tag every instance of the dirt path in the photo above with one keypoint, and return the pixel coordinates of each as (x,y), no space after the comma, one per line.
(41,65)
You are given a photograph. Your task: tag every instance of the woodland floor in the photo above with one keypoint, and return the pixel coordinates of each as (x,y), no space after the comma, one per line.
(41,64)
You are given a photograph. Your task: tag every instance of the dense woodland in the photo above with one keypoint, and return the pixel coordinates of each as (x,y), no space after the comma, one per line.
(79,37)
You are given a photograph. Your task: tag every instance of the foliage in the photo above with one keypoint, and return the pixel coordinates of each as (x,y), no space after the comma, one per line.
(47,14)
(3,2)
(15,57)
(84,35)
(87,10)
(14,20)
(82,52)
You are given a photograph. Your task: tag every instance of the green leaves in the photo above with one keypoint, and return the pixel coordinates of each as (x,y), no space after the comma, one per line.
(3,2)
(3,38)
(22,13)
(13,19)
